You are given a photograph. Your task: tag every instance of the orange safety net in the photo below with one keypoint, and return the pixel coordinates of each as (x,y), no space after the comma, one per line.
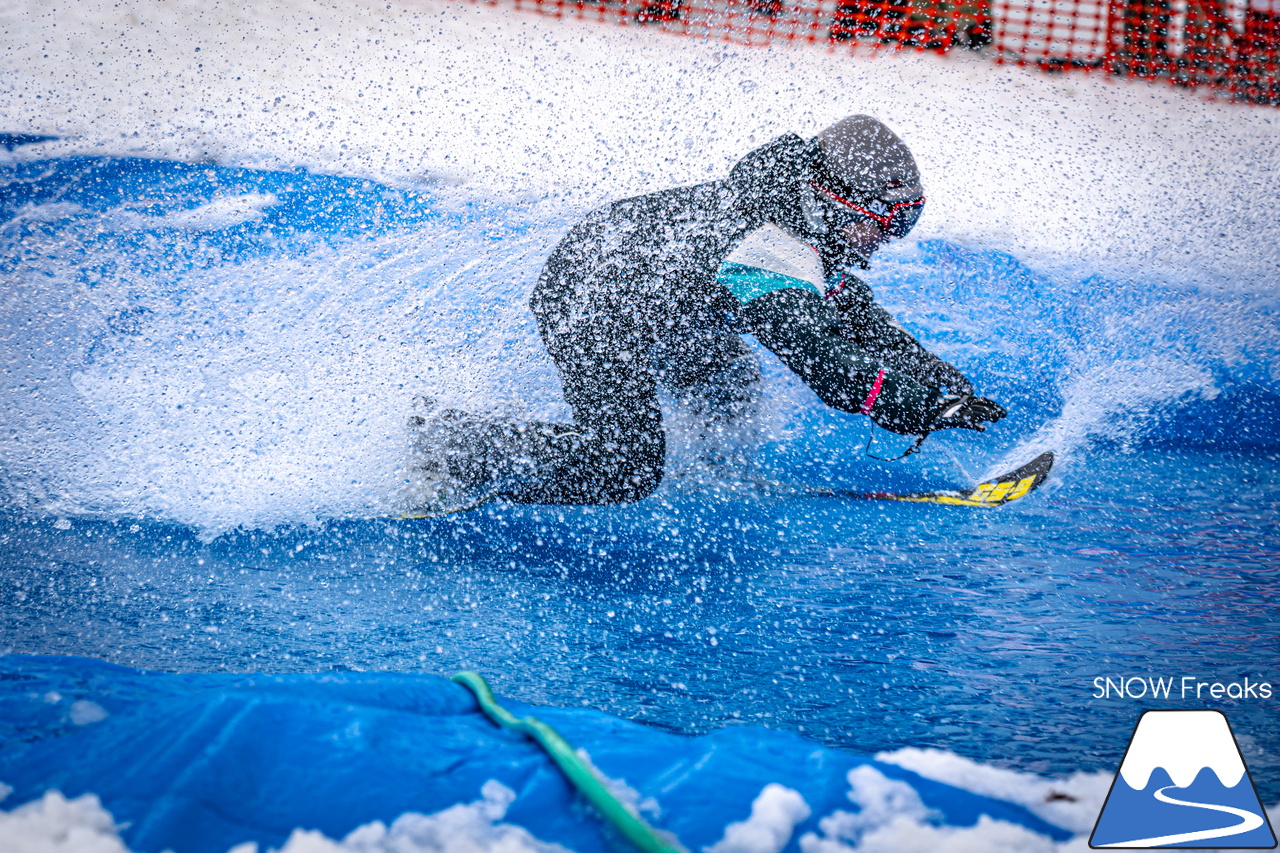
(1231,49)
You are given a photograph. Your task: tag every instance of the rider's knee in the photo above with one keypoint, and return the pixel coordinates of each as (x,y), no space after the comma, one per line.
(637,483)
(635,472)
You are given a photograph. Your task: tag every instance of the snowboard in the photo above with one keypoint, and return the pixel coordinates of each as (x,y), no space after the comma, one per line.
(994,492)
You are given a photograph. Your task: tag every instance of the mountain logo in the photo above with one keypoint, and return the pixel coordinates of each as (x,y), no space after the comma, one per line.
(1183,783)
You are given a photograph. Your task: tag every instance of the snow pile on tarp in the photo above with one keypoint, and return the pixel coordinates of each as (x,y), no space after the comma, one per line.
(383,762)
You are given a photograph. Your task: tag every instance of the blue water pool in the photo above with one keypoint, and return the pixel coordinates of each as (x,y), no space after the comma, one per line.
(208,372)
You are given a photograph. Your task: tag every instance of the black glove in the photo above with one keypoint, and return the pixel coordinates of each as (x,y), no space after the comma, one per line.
(966,412)
(945,374)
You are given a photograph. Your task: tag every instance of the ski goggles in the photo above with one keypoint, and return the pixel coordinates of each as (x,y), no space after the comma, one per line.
(896,220)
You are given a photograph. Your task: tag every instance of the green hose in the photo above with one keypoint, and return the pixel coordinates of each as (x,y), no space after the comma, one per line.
(580,774)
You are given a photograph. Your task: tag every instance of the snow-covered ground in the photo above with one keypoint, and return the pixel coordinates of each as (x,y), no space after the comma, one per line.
(1133,178)
(889,819)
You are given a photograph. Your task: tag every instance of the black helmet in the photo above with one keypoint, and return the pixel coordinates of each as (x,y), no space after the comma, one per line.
(862,167)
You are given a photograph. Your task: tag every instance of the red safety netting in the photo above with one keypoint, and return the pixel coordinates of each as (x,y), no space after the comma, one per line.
(1229,48)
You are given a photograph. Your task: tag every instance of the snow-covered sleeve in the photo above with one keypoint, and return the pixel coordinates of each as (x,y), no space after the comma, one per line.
(770,259)
(880,336)
(777,279)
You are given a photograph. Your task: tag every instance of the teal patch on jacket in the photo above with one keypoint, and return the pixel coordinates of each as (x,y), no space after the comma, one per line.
(747,283)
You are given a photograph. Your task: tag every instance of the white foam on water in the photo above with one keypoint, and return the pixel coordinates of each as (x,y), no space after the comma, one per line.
(275,391)
(1144,363)
(266,392)
(221,213)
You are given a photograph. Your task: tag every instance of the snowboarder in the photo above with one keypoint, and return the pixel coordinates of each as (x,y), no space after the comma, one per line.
(661,287)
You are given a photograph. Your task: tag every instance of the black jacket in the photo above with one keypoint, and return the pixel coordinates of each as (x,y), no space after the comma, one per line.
(654,259)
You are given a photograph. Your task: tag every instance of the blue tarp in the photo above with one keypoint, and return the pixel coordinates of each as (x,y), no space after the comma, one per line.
(197,763)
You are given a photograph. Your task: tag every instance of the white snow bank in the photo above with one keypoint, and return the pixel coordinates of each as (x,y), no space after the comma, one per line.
(890,819)
(1072,802)
(54,824)
(472,828)
(774,815)
(1132,177)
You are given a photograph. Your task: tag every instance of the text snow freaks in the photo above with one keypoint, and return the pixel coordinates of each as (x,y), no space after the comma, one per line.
(1186,687)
